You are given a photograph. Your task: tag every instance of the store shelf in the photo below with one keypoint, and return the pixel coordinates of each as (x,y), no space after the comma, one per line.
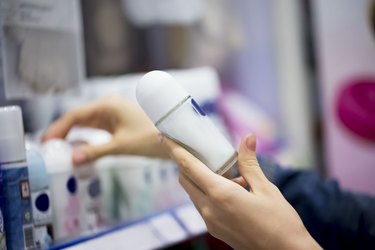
(153,232)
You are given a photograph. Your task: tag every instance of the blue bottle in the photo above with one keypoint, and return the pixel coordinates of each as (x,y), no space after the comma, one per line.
(40,198)
(15,193)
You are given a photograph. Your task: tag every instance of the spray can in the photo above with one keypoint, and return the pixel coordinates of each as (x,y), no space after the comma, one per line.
(176,114)
(40,198)
(15,193)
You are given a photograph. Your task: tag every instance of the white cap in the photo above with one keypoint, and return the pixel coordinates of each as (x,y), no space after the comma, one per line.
(12,145)
(57,155)
(158,93)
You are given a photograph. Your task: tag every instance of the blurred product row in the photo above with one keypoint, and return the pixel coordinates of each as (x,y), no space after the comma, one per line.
(45,200)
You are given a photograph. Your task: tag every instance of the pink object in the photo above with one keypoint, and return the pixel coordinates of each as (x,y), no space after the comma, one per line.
(345,51)
(356,107)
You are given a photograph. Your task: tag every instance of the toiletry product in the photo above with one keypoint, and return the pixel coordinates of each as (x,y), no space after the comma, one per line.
(15,193)
(89,181)
(133,176)
(176,114)
(40,198)
(64,189)
(90,194)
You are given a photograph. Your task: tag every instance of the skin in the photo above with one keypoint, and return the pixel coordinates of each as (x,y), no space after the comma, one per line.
(132,131)
(257,219)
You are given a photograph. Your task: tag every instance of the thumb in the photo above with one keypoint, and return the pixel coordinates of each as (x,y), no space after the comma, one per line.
(248,164)
(87,153)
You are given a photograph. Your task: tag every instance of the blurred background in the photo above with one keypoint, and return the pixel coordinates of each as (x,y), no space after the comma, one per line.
(298,73)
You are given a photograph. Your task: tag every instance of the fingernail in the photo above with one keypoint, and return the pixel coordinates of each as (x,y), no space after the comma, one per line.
(79,156)
(251,142)
(161,138)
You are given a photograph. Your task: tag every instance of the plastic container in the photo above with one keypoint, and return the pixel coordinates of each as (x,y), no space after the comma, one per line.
(176,114)
(64,189)
(89,193)
(89,181)
(41,199)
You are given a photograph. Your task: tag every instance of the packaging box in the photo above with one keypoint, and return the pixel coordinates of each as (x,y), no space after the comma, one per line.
(41,47)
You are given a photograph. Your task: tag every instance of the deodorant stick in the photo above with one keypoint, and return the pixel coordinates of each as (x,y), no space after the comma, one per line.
(177,115)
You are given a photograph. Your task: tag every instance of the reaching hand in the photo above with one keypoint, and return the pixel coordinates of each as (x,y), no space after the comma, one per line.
(259,219)
(133,133)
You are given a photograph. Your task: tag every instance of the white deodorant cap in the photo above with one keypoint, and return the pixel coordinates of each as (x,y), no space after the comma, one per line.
(12,144)
(158,93)
(57,155)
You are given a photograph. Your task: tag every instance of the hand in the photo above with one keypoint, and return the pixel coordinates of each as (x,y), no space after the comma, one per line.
(259,219)
(132,131)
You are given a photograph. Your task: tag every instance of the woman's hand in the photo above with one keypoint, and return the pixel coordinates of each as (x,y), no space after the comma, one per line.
(259,219)
(133,133)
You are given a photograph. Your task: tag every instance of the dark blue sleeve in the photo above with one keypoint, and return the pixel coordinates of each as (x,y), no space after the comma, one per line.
(335,218)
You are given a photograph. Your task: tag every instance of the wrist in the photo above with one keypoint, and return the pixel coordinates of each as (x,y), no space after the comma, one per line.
(305,241)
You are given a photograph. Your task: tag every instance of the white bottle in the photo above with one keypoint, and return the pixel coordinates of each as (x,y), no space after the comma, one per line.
(89,181)
(90,194)
(176,114)
(40,199)
(64,189)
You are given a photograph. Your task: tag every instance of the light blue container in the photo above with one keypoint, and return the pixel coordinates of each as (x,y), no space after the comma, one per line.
(40,197)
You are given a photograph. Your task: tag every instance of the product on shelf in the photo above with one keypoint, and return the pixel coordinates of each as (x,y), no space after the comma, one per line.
(66,204)
(41,199)
(15,189)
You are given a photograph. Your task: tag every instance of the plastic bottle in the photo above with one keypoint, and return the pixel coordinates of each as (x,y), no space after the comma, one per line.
(176,114)
(64,189)
(89,181)
(133,176)
(41,199)
(15,193)
(89,193)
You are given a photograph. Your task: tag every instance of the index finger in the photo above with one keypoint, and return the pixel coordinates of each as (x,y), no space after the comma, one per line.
(193,168)
(61,127)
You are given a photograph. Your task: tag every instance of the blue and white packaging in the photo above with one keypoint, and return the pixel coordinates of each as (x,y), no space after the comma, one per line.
(66,205)
(89,193)
(15,193)
(40,198)
(89,181)
(176,114)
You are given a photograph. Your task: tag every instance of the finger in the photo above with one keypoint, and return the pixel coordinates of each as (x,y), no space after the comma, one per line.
(190,166)
(61,127)
(240,181)
(87,153)
(248,164)
(195,194)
